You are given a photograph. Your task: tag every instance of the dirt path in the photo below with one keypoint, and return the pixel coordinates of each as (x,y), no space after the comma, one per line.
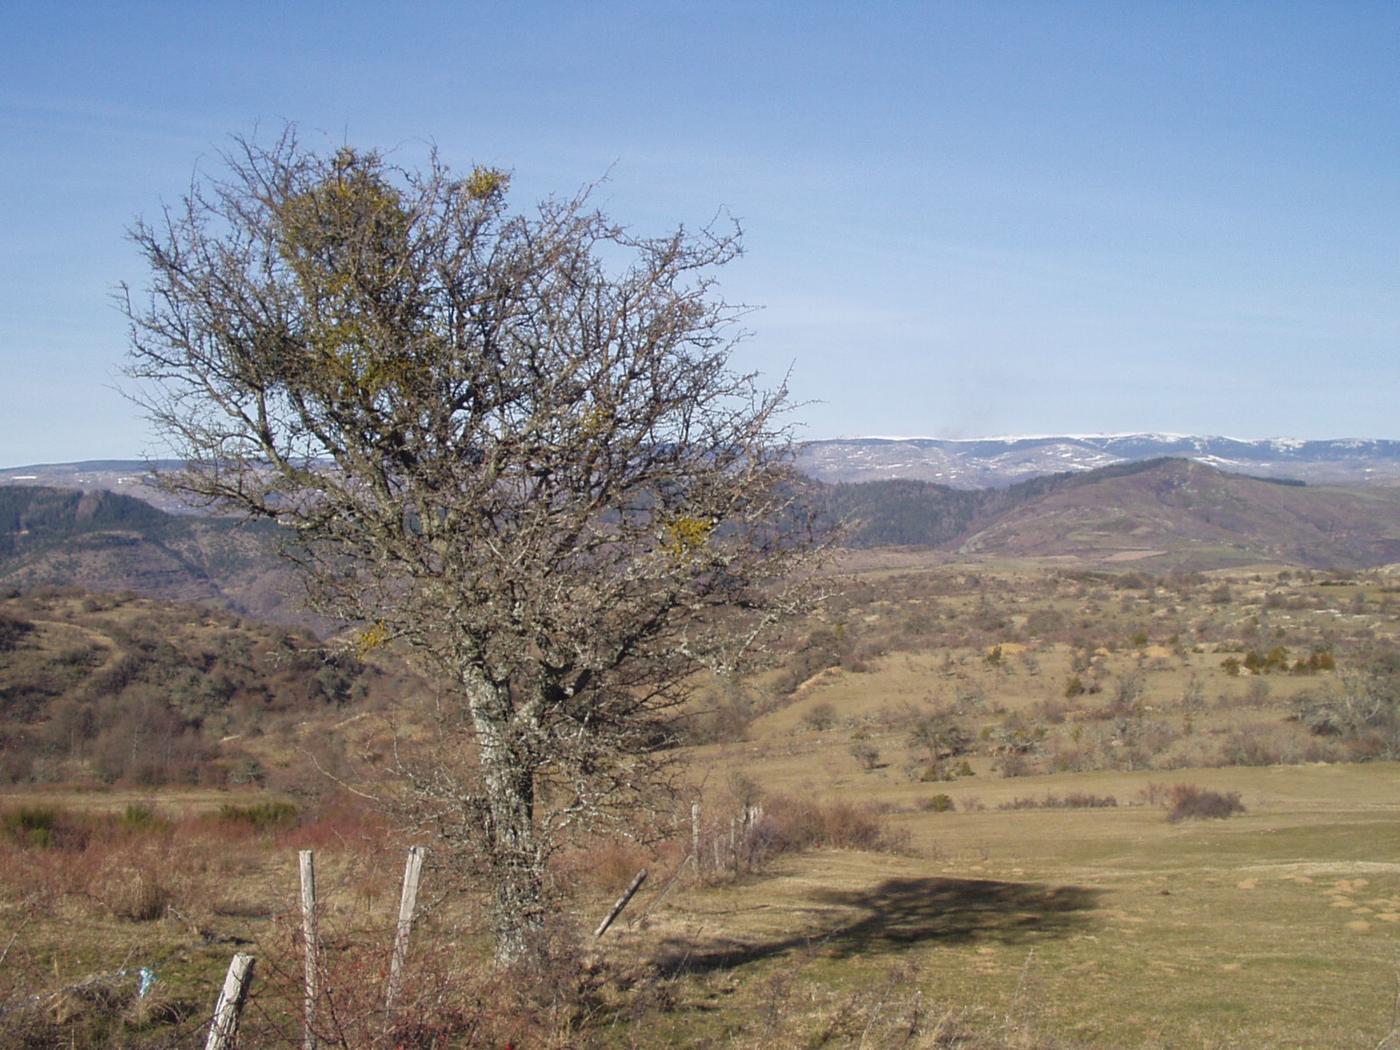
(97,638)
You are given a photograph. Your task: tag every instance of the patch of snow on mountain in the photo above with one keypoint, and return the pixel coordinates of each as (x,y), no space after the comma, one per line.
(1221,462)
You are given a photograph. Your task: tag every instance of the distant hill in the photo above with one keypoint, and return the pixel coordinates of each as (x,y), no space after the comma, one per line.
(103,541)
(131,477)
(962,463)
(1165,513)
(990,462)
(119,688)
(1157,514)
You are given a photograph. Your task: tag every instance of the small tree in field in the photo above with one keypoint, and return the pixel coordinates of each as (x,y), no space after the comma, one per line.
(511,440)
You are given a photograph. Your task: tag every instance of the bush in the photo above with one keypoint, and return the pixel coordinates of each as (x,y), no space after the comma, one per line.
(140,892)
(940,803)
(31,825)
(260,816)
(1015,764)
(1154,794)
(12,629)
(1074,800)
(1084,800)
(1188,802)
(141,816)
(929,773)
(938,734)
(1254,746)
(1363,709)
(797,824)
(866,753)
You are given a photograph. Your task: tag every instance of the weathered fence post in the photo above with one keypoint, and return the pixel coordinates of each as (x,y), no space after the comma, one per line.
(695,829)
(627,895)
(310,944)
(752,816)
(225,1025)
(690,857)
(408,900)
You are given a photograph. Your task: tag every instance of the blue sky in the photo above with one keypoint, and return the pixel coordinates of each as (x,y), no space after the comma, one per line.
(961,219)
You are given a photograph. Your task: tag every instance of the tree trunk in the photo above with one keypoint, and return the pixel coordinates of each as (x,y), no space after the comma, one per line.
(512,849)
(515,862)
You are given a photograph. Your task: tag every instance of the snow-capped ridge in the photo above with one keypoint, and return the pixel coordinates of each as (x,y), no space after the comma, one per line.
(983,462)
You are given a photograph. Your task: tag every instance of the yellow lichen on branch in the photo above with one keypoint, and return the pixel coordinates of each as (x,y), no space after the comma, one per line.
(686,536)
(371,638)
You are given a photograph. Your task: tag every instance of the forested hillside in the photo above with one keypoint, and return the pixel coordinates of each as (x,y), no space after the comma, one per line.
(116,688)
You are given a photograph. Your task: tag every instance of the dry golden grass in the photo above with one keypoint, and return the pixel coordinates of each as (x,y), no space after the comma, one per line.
(1275,928)
(990,927)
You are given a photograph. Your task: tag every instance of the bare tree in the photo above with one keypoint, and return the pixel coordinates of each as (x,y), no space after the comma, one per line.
(512,440)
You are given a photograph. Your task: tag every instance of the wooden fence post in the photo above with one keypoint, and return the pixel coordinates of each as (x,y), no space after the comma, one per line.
(310,944)
(225,1025)
(408,900)
(690,858)
(627,895)
(695,829)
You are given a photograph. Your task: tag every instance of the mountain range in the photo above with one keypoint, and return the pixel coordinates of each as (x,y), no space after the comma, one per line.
(1156,515)
(1164,514)
(963,463)
(990,462)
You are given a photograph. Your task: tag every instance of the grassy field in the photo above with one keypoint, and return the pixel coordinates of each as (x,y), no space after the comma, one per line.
(1100,927)
(1025,888)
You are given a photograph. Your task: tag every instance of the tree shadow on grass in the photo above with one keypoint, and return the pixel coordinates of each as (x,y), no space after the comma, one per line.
(900,913)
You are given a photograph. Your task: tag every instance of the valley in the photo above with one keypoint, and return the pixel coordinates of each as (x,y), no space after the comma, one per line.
(963,772)
(937,816)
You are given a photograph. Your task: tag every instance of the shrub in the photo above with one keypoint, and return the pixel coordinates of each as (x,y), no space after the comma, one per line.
(260,816)
(1253,746)
(819,717)
(1084,800)
(940,803)
(141,816)
(866,753)
(1188,802)
(930,773)
(1154,794)
(790,825)
(139,893)
(1074,800)
(31,825)
(12,629)
(1015,764)
(938,734)
(1019,803)
(1363,709)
